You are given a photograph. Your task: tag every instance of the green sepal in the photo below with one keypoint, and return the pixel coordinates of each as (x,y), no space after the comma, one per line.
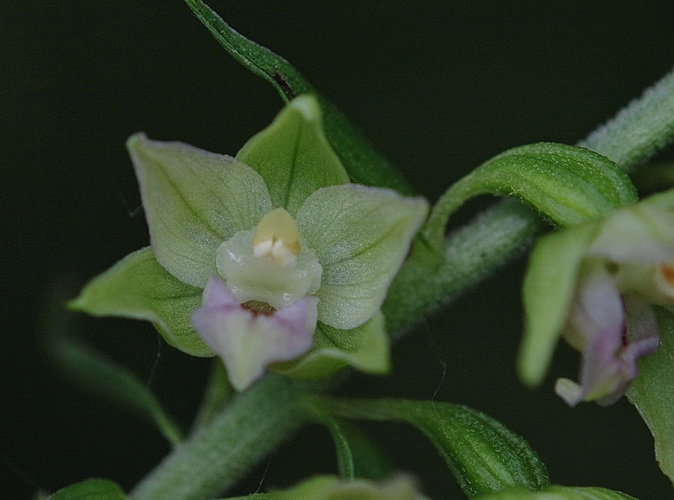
(293,156)
(482,453)
(91,489)
(139,287)
(548,290)
(651,392)
(361,236)
(193,201)
(558,493)
(365,348)
(362,162)
(565,184)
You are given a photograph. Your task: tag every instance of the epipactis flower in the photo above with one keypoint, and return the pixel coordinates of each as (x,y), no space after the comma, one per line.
(269,258)
(594,284)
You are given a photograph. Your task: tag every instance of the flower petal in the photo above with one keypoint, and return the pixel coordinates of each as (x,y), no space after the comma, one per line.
(194,200)
(247,342)
(610,355)
(365,348)
(361,236)
(548,292)
(138,287)
(597,308)
(293,155)
(641,233)
(595,327)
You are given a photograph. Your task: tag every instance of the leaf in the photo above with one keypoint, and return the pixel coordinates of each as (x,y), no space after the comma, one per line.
(138,287)
(565,184)
(365,348)
(194,200)
(483,454)
(90,489)
(101,376)
(652,394)
(361,236)
(293,156)
(362,162)
(549,286)
(558,493)
(113,382)
(357,455)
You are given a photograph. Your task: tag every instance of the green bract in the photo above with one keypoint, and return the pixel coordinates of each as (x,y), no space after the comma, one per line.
(565,184)
(482,453)
(280,242)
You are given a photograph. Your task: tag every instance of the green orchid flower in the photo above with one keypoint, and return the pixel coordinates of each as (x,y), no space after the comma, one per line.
(594,284)
(267,260)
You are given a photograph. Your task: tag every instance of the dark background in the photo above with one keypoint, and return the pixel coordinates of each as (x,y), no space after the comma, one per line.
(438,86)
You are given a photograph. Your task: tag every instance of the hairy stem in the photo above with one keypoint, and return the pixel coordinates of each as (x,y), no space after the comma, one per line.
(257,421)
(222,452)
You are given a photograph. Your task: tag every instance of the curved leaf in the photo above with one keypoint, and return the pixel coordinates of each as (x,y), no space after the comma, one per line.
(138,287)
(98,375)
(558,493)
(565,184)
(482,453)
(90,489)
(114,382)
(362,162)
(357,455)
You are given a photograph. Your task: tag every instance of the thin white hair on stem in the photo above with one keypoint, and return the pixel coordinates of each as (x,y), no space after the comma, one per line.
(155,364)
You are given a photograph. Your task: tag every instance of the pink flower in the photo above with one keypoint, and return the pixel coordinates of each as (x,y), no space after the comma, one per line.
(248,339)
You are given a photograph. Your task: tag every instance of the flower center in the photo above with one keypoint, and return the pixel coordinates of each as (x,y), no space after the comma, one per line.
(276,236)
(258,308)
(269,264)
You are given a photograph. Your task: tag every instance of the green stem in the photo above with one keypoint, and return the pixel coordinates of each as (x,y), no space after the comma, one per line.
(219,454)
(639,130)
(257,421)
(505,231)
